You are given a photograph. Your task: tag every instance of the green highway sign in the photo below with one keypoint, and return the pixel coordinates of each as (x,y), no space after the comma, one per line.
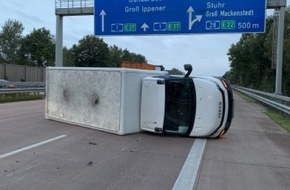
(228,24)
(145,17)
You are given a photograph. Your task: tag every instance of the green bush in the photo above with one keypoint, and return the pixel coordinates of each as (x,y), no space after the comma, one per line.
(4,98)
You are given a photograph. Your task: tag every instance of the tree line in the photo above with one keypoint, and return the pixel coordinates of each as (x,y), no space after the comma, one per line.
(38,49)
(251,59)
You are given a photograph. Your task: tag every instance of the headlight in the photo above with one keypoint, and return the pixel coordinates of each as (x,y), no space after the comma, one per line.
(225,84)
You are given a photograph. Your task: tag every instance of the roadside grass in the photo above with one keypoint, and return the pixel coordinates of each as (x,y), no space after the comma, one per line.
(5,98)
(278,116)
(247,98)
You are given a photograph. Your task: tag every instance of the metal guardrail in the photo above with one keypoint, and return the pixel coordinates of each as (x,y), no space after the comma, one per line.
(60,4)
(74,7)
(21,90)
(270,95)
(277,101)
(10,84)
(29,84)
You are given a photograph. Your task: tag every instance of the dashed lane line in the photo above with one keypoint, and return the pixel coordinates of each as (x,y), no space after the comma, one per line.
(31,146)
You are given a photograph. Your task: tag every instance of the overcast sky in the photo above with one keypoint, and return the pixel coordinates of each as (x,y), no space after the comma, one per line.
(206,52)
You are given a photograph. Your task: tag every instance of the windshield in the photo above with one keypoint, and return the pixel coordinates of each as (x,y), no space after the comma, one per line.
(179,105)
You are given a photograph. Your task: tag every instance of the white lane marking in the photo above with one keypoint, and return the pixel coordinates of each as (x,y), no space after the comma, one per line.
(188,175)
(31,146)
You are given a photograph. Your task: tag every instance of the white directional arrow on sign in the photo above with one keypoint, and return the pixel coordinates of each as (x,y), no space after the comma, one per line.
(103,14)
(190,10)
(145,27)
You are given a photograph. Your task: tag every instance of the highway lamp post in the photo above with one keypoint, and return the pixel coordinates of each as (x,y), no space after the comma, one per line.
(279,67)
(59,41)
(279,5)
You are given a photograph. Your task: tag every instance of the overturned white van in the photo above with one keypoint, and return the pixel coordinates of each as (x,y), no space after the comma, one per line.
(124,101)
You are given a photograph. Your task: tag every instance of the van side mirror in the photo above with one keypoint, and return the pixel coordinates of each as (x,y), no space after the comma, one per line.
(188,68)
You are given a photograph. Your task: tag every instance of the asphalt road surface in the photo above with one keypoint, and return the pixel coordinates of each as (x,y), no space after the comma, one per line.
(77,158)
(253,155)
(36,153)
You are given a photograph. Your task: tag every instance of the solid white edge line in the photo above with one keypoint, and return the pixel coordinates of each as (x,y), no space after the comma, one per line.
(31,146)
(188,175)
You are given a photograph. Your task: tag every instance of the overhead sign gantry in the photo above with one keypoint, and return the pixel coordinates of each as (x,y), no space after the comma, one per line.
(145,17)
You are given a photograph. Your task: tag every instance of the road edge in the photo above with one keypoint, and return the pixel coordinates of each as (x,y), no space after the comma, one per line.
(188,176)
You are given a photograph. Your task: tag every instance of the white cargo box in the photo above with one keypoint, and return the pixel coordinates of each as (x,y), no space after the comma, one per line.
(106,99)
